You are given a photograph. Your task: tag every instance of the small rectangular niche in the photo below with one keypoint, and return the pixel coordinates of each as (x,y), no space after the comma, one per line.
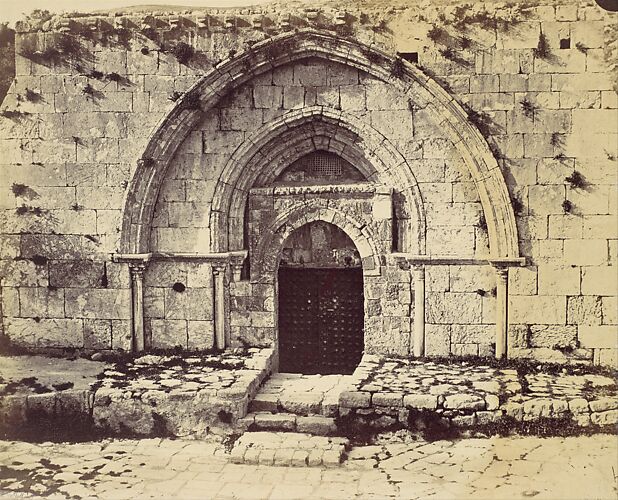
(565,43)
(409,56)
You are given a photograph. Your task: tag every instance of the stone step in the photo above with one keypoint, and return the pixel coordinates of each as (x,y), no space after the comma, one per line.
(289,449)
(316,425)
(300,394)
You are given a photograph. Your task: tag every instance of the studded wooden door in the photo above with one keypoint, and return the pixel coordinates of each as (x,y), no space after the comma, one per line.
(321,319)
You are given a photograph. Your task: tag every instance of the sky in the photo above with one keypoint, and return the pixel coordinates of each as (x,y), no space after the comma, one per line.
(12,10)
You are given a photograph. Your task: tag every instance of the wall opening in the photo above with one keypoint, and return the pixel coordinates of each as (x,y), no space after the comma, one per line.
(321,302)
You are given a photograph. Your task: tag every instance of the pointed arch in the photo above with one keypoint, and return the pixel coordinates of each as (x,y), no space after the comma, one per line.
(289,47)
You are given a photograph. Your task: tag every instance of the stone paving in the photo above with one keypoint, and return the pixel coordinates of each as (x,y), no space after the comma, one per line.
(396,466)
(176,395)
(384,391)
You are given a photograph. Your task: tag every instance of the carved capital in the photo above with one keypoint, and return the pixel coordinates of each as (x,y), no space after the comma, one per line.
(137,270)
(502,273)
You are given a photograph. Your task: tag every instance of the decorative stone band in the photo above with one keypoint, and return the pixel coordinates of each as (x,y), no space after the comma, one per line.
(418,263)
(220,262)
(329,188)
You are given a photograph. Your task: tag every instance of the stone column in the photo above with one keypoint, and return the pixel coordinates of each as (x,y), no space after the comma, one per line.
(419,310)
(138,342)
(218,271)
(502,296)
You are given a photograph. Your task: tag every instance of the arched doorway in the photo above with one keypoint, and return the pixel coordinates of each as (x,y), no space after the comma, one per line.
(321,302)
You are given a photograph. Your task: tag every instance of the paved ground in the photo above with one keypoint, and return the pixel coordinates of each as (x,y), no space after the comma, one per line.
(496,468)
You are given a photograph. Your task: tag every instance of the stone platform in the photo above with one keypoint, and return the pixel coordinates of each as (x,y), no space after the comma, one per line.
(385,392)
(151,395)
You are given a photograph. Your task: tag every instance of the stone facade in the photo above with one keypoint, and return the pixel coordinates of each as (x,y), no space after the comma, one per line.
(131,145)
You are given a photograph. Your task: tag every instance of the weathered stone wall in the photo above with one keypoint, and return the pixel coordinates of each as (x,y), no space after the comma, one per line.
(536,78)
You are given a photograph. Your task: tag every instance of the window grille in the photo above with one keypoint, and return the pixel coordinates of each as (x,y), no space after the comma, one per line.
(325,165)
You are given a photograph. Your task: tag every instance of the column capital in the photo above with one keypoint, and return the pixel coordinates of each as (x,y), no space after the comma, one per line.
(137,269)
(502,272)
(219,267)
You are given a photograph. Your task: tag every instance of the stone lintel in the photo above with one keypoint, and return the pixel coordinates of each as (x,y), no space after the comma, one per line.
(436,260)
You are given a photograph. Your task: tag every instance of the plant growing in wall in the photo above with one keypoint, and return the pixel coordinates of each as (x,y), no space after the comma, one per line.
(528,108)
(517,205)
(482,222)
(561,157)
(581,47)
(174,96)
(542,50)
(183,52)
(567,207)
(576,180)
(437,35)
(398,69)
(32,96)
(556,140)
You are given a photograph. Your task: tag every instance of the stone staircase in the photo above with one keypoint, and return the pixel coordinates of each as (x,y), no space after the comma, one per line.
(291,422)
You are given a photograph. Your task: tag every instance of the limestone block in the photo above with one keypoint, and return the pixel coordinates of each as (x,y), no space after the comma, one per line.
(581,82)
(193,303)
(41,303)
(464,402)
(570,100)
(605,417)
(523,280)
(609,99)
(554,336)
(492,102)
(10,302)
(558,279)
(589,202)
(437,340)
(584,310)
(92,125)
(309,74)
(497,62)
(563,61)
(355,399)
(267,96)
(352,97)
(608,357)
(610,310)
(538,146)
(455,214)
(471,278)
(420,401)
(98,303)
(327,96)
(121,334)
(437,278)
(168,333)
(390,399)
(293,97)
(240,119)
(79,273)
(539,309)
(599,227)
(465,192)
(139,63)
(464,349)
(200,335)
(473,334)
(44,332)
(599,280)
(383,97)
(448,308)
(451,241)
(598,336)
(604,404)
(565,226)
(97,334)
